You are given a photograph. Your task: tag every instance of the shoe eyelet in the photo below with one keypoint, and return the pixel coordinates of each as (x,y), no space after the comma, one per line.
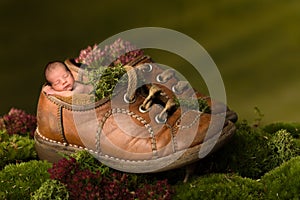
(127,100)
(159,120)
(142,110)
(175,90)
(159,79)
(149,67)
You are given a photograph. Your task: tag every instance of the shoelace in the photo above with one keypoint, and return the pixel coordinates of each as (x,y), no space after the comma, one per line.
(155,92)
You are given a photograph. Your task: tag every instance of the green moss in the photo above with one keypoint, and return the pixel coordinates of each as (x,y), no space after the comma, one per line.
(284,181)
(282,147)
(258,163)
(15,148)
(251,153)
(220,186)
(246,154)
(19,181)
(293,128)
(51,189)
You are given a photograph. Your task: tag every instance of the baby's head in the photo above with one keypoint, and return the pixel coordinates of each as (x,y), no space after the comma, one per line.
(58,75)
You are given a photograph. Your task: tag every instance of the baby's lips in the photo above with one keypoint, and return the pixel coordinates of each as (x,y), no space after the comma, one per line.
(68,88)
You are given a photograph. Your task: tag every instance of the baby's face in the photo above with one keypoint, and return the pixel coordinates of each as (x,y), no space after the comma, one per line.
(61,79)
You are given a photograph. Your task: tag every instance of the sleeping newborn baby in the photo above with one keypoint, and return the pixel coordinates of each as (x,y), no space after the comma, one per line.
(61,81)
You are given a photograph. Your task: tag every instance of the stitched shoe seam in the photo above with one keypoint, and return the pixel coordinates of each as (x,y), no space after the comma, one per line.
(131,114)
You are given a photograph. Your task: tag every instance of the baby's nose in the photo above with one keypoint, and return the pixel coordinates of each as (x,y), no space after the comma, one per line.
(64,81)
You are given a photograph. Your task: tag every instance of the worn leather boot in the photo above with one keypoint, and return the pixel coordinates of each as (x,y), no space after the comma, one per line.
(153,122)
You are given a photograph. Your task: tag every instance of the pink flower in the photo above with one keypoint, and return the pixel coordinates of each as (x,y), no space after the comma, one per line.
(18,122)
(110,55)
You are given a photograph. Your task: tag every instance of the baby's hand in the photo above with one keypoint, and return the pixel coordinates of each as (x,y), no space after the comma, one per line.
(48,90)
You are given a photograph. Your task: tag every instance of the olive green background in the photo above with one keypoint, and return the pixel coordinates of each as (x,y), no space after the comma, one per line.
(254,43)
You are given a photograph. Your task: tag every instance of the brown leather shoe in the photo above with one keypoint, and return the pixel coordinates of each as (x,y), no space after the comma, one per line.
(146,126)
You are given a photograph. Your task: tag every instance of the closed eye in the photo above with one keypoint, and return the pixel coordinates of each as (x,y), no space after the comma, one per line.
(56,83)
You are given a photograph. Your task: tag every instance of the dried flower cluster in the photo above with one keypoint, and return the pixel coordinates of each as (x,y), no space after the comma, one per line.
(83,183)
(104,67)
(18,122)
(119,52)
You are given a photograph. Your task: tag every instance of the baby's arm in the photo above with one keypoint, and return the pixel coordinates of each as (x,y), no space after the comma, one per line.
(50,91)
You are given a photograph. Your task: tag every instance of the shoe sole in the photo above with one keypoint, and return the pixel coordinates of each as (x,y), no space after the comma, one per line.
(53,151)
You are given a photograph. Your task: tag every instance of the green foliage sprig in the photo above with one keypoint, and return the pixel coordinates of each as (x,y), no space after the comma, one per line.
(51,190)
(199,103)
(104,80)
(282,147)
